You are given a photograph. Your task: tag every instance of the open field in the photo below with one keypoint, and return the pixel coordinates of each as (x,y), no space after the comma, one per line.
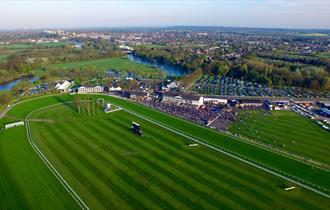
(315,34)
(52,44)
(16,46)
(163,158)
(153,45)
(118,63)
(25,182)
(20,46)
(286,130)
(111,167)
(4,57)
(7,50)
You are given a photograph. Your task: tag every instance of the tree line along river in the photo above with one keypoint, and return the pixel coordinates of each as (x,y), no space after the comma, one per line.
(169,69)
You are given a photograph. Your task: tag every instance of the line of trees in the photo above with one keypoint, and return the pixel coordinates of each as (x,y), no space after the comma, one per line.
(5,98)
(316,61)
(88,105)
(313,73)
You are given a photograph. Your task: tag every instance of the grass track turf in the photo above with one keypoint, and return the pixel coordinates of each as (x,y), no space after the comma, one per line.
(313,175)
(113,168)
(198,177)
(25,182)
(286,130)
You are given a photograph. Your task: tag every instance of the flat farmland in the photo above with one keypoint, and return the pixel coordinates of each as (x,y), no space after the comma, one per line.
(6,50)
(111,167)
(118,63)
(286,130)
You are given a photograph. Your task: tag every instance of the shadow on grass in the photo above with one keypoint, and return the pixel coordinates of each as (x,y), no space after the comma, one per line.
(69,104)
(125,127)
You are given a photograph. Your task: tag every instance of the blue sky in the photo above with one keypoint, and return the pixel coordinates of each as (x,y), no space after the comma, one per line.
(241,13)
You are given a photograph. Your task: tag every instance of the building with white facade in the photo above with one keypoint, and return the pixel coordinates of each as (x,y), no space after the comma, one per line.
(90,89)
(63,86)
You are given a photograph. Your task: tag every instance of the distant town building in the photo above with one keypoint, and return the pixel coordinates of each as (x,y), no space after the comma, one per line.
(125,47)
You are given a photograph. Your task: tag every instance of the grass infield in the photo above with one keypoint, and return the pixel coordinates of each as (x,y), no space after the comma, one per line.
(286,130)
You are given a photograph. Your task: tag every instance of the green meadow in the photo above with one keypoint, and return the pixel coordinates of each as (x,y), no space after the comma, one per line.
(117,63)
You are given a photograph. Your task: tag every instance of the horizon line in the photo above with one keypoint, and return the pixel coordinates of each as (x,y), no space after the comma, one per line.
(160,26)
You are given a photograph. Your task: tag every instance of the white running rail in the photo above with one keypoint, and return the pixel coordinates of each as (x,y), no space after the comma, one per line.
(60,178)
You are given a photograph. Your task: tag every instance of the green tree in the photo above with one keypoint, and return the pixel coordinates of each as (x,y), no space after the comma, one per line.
(5,98)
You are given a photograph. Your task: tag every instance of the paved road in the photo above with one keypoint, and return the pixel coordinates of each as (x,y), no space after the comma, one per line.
(4,112)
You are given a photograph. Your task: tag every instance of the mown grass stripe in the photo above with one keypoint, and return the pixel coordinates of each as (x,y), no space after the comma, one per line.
(73,172)
(158,166)
(188,166)
(99,159)
(291,167)
(211,160)
(118,195)
(279,195)
(157,178)
(231,165)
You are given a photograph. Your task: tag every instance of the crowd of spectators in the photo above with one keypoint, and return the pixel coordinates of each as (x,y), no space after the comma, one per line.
(203,114)
(218,116)
(225,117)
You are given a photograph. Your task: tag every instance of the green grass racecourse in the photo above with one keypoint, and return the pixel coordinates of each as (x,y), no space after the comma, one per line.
(286,130)
(25,182)
(116,168)
(111,167)
(118,63)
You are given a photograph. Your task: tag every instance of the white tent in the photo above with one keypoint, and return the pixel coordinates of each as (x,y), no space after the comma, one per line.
(64,86)
(15,124)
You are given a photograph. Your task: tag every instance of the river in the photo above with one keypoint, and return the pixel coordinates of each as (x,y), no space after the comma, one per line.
(169,69)
(10,84)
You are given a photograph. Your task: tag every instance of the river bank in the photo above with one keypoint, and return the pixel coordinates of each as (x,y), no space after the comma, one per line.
(7,85)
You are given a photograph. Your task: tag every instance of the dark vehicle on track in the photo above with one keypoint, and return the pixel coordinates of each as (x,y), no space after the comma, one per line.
(136,129)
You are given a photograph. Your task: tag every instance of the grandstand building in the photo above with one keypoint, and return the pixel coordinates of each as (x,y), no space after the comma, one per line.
(215,100)
(90,89)
(250,103)
(183,99)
